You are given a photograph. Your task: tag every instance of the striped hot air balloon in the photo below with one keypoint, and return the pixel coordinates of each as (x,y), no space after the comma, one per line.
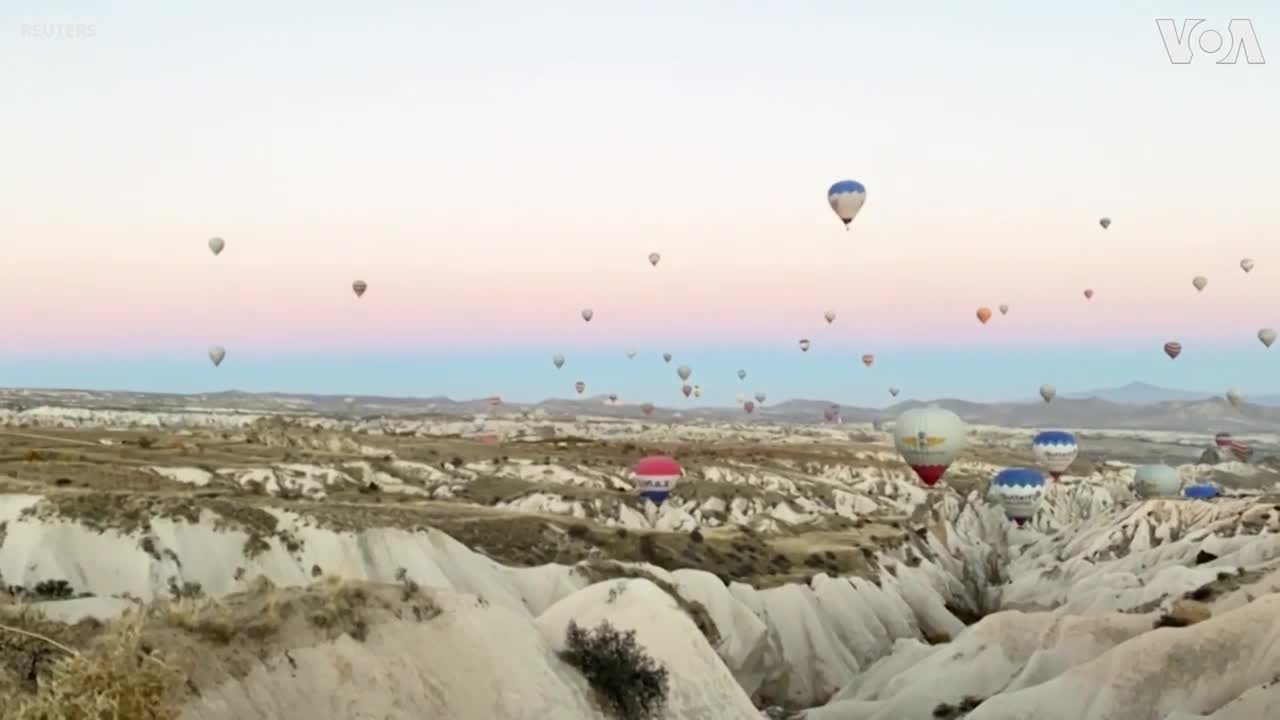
(868,359)
(1056,450)
(1173,349)
(655,476)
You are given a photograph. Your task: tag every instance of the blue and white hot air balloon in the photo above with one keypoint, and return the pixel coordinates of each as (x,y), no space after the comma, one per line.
(1055,450)
(846,198)
(1200,491)
(654,477)
(1018,490)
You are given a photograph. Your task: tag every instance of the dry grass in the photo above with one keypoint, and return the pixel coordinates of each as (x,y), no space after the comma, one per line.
(117,677)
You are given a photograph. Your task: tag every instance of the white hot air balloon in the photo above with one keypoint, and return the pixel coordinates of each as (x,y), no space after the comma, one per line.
(216,353)
(929,439)
(557,360)
(1048,392)
(631,353)
(654,258)
(1246,264)
(1156,481)
(216,245)
(760,397)
(1233,397)
(741,398)
(1004,309)
(1199,282)
(1267,336)
(742,374)
(684,372)
(587,314)
(829,316)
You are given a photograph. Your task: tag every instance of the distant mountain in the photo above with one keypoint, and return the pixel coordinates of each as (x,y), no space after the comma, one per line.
(1140,393)
(1202,413)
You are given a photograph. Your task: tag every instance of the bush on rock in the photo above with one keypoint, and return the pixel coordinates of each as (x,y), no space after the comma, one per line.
(632,684)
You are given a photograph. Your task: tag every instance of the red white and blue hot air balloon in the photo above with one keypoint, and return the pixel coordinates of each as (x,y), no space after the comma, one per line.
(929,439)
(846,199)
(1019,491)
(654,477)
(1055,450)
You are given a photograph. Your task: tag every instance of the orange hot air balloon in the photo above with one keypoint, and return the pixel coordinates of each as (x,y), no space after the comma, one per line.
(868,359)
(984,314)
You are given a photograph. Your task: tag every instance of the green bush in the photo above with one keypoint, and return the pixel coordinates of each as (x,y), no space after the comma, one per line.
(631,684)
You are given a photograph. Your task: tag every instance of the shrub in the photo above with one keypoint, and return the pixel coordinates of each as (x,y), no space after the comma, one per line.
(632,685)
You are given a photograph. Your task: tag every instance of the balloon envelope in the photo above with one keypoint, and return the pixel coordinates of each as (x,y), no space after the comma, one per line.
(929,439)
(666,357)
(684,372)
(760,397)
(216,353)
(557,360)
(1019,491)
(1200,491)
(1048,392)
(580,386)
(984,314)
(748,406)
(654,258)
(1105,223)
(1246,264)
(216,245)
(1199,282)
(829,316)
(1004,309)
(893,391)
(1055,450)
(359,286)
(1156,480)
(655,476)
(868,359)
(1267,336)
(804,345)
(846,199)
(742,374)
(587,314)
(1173,349)
(1088,294)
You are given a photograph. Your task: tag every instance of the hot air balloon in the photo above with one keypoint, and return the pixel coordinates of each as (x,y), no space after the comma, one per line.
(557,360)
(359,286)
(760,397)
(929,439)
(984,314)
(216,245)
(1088,294)
(587,314)
(1222,440)
(1004,309)
(613,397)
(494,400)
(666,357)
(867,359)
(631,354)
(1157,480)
(1173,349)
(1267,336)
(1019,491)
(1048,392)
(646,408)
(654,477)
(1055,450)
(581,387)
(1105,223)
(742,374)
(684,372)
(1246,264)
(1233,397)
(829,316)
(749,406)
(741,398)
(1199,282)
(893,391)
(829,415)
(846,198)
(654,258)
(216,353)
(686,390)
(1241,450)
(804,345)
(1200,491)
(697,391)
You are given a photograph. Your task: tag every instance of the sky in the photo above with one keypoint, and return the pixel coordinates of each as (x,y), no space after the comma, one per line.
(492,168)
